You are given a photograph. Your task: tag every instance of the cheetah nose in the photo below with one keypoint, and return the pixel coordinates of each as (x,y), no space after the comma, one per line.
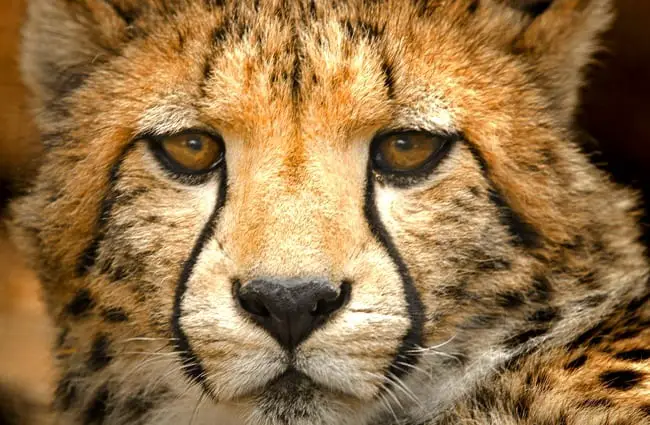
(291,309)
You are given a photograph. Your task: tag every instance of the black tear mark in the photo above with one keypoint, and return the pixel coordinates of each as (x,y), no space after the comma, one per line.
(98,409)
(89,256)
(621,380)
(638,355)
(115,315)
(192,366)
(576,363)
(81,304)
(406,354)
(99,353)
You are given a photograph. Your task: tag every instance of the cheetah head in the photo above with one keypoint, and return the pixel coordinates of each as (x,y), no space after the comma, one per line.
(305,212)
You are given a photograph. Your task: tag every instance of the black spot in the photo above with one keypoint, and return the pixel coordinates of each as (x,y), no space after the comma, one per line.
(137,406)
(473,6)
(219,36)
(65,394)
(98,409)
(576,363)
(627,334)
(128,197)
(425,8)
(523,337)
(536,8)
(589,280)
(523,233)
(481,321)
(622,380)
(638,355)
(389,78)
(544,315)
(63,335)
(540,380)
(637,303)
(522,407)
(510,299)
(153,219)
(99,353)
(593,301)
(80,304)
(591,336)
(214,3)
(645,409)
(70,80)
(115,315)
(485,399)
(493,264)
(541,290)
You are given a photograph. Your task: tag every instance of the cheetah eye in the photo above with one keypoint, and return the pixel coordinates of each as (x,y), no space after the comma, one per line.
(407,152)
(190,153)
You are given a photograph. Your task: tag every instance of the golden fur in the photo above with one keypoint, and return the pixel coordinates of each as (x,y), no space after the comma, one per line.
(505,287)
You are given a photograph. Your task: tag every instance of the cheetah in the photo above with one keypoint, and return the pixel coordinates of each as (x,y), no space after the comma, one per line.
(315,212)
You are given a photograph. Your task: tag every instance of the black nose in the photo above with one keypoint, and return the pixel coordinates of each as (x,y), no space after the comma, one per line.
(291,309)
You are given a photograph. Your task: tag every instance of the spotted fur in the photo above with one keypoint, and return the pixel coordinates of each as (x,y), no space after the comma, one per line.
(507,286)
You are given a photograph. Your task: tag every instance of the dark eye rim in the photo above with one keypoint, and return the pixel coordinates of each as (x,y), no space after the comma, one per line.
(155,142)
(448,140)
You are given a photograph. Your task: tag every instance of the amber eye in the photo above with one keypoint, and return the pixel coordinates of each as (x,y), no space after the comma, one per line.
(406,152)
(191,153)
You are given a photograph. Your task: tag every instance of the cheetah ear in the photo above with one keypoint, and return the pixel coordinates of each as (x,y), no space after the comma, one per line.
(559,37)
(62,39)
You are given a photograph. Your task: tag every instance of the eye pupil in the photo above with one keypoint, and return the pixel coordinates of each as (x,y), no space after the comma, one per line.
(403,144)
(194,144)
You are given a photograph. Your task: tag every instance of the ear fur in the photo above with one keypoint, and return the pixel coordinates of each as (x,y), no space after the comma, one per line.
(62,40)
(559,37)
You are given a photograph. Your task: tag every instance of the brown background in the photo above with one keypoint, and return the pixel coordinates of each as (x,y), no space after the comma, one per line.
(616,113)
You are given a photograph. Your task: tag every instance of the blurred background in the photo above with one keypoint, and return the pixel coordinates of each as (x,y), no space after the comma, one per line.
(615,117)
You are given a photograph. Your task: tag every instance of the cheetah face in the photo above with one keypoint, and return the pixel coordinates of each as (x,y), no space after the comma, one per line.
(307,204)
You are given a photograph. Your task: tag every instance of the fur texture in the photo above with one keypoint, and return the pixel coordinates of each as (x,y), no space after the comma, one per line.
(505,287)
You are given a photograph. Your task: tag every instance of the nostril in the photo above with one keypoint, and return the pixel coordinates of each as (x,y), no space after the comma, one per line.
(254,306)
(327,306)
(250,301)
